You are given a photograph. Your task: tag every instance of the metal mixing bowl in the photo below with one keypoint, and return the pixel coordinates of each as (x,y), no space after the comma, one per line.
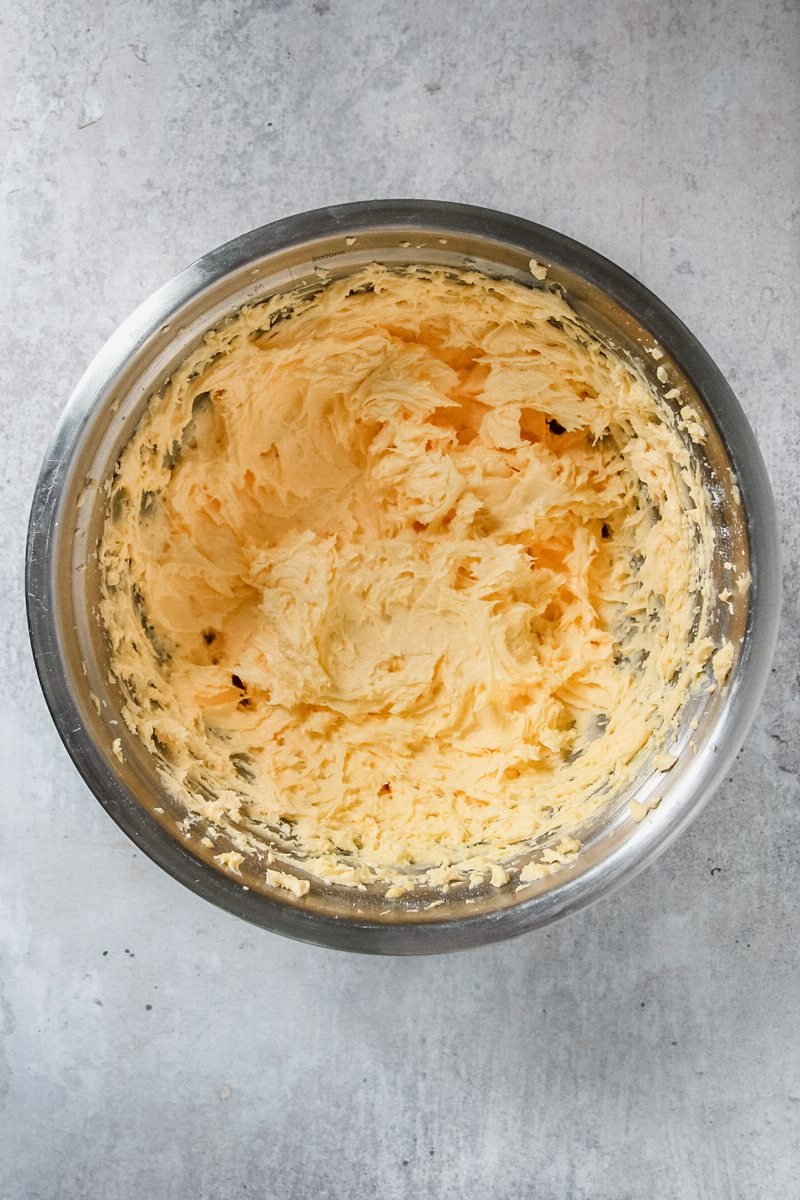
(69,505)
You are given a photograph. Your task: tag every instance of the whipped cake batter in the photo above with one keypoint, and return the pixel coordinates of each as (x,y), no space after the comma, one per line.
(403,575)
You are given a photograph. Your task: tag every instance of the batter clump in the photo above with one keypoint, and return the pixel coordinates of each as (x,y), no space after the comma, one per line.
(402,575)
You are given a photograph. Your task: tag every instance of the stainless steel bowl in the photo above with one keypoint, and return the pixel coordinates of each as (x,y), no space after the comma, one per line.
(68,509)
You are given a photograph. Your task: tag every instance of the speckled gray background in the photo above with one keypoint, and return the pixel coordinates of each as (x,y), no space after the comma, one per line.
(154,1047)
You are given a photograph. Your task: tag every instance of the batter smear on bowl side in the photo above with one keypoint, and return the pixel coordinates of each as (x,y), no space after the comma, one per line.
(402,575)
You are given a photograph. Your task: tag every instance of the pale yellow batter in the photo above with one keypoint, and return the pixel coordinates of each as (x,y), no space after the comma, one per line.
(403,576)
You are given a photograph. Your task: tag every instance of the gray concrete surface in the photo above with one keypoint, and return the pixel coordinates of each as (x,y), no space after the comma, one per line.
(154,1047)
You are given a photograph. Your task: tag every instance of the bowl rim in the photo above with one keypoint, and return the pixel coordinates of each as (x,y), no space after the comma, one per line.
(624,861)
